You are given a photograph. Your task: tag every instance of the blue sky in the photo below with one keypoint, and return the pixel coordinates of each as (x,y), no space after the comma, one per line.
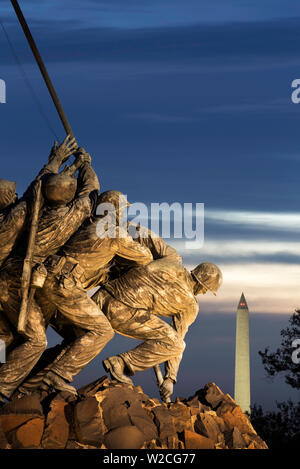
(179,102)
(152,13)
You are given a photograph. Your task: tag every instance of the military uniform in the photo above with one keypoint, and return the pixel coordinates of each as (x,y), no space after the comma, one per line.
(13,221)
(147,238)
(56,226)
(133,304)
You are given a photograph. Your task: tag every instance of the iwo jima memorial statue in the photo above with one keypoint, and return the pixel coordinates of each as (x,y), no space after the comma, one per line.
(55,246)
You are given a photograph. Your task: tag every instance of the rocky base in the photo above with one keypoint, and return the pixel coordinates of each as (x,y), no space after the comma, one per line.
(111,415)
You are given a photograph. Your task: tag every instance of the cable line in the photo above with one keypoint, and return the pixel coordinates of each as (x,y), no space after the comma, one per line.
(28,84)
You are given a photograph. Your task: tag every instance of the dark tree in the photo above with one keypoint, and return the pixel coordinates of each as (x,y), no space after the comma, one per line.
(281,428)
(281,360)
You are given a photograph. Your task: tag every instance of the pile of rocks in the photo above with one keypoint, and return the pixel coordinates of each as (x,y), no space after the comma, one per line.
(111,415)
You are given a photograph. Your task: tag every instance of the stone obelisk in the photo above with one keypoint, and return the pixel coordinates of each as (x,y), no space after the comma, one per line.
(242,357)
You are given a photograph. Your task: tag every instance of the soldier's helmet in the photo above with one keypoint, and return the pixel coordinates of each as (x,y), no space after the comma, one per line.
(60,188)
(209,275)
(116,198)
(7,193)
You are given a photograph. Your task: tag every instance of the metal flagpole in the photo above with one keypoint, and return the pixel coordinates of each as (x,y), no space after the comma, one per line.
(42,67)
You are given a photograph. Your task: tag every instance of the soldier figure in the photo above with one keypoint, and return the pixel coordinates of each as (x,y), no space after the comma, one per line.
(133,304)
(66,207)
(15,213)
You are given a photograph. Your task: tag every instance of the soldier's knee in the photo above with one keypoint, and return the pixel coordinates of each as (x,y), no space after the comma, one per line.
(175,340)
(44,343)
(178,344)
(104,330)
(109,332)
(39,341)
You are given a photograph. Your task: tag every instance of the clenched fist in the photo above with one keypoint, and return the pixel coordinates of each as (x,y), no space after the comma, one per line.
(83,156)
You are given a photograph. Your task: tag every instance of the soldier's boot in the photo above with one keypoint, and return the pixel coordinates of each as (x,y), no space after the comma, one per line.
(53,382)
(31,385)
(116,367)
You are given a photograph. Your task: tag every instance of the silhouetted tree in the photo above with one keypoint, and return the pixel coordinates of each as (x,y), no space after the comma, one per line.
(281,360)
(281,428)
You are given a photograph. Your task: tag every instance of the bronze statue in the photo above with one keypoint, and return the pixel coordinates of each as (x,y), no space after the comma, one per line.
(133,304)
(65,207)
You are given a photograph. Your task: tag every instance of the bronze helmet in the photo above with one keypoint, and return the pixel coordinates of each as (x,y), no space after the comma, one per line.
(7,193)
(209,275)
(60,188)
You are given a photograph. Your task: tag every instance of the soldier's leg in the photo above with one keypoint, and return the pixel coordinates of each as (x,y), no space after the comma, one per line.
(62,326)
(69,333)
(22,358)
(160,341)
(83,313)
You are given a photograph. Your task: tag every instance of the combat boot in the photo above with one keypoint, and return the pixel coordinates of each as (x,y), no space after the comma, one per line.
(116,367)
(32,385)
(56,383)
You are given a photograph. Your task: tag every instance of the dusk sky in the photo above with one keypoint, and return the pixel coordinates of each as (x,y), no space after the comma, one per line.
(179,101)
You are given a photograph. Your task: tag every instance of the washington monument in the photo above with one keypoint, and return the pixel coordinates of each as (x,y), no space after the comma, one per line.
(242,357)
